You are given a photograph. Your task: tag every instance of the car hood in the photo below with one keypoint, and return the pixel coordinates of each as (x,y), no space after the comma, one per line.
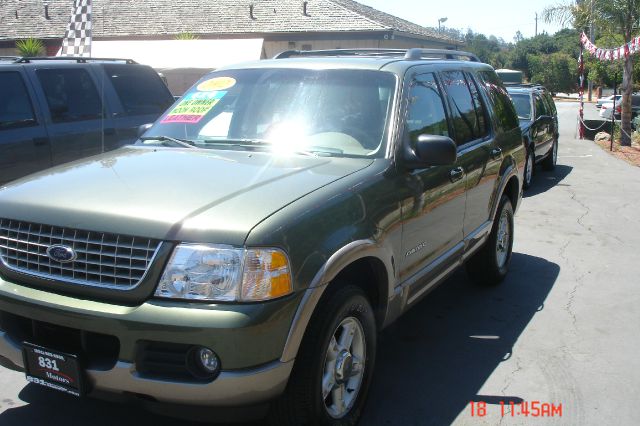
(171,194)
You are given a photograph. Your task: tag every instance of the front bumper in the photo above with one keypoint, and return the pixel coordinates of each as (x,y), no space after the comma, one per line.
(249,340)
(231,388)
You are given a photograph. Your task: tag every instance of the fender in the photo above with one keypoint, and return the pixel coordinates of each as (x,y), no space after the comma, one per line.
(510,169)
(342,258)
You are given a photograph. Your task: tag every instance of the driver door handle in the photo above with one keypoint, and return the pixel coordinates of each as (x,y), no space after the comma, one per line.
(496,153)
(456,174)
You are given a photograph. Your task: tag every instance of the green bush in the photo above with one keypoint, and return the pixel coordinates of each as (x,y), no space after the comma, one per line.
(30,47)
(186,36)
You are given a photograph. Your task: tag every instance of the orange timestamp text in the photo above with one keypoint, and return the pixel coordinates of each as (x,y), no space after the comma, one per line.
(518,409)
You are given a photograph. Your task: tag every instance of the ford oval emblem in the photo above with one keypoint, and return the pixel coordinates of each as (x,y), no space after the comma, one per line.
(61,253)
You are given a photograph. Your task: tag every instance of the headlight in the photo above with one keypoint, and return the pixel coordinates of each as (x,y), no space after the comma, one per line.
(222,273)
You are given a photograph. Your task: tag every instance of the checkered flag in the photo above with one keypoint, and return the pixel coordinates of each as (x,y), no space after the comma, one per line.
(77,39)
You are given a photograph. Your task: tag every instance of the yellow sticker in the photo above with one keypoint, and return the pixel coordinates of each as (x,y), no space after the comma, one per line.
(218,83)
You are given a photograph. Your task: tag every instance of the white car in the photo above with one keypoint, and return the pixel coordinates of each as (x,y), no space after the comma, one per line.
(607,110)
(606,99)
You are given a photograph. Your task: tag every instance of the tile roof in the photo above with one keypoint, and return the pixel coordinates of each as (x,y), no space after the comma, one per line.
(153,18)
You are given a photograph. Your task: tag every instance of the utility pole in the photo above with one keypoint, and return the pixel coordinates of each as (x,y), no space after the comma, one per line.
(536,24)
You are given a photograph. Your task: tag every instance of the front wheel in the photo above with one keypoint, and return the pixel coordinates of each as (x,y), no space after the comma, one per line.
(331,375)
(490,264)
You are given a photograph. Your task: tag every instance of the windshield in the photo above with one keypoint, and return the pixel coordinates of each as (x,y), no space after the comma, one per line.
(331,112)
(522,102)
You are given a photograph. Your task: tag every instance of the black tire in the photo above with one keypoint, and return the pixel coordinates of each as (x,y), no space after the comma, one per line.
(485,266)
(302,402)
(549,163)
(528,174)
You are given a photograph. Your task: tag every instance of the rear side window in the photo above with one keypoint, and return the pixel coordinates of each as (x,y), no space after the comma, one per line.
(505,113)
(481,111)
(540,106)
(466,118)
(140,89)
(551,106)
(426,113)
(71,94)
(15,105)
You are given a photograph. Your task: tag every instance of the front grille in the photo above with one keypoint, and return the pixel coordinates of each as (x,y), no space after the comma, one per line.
(102,259)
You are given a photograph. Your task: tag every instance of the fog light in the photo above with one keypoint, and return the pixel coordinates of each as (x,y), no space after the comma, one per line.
(208,360)
(203,363)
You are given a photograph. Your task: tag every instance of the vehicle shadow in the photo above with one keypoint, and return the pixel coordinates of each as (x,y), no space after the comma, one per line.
(434,359)
(45,407)
(544,180)
(429,363)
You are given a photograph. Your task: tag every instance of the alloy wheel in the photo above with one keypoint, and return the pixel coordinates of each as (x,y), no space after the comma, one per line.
(344,367)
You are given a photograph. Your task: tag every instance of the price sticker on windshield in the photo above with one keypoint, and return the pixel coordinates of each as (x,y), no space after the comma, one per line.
(193,107)
(216,84)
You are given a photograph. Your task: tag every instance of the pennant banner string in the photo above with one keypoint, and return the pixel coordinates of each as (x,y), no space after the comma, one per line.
(621,52)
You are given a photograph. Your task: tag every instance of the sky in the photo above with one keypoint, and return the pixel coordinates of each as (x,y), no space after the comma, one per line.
(501,18)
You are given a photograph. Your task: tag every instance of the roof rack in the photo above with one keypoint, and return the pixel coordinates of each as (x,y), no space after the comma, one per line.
(80,60)
(414,54)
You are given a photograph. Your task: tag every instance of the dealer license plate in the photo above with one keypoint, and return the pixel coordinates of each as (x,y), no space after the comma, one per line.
(56,370)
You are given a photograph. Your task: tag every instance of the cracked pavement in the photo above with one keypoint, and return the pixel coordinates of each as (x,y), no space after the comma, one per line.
(562,328)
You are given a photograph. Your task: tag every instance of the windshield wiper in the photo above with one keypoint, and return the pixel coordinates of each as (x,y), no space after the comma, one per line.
(236,142)
(182,142)
(313,151)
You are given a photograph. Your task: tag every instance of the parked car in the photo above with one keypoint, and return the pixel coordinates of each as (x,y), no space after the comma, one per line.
(606,111)
(252,244)
(539,123)
(607,99)
(55,110)
(607,108)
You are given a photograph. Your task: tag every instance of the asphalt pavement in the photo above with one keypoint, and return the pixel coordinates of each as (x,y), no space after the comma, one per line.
(559,338)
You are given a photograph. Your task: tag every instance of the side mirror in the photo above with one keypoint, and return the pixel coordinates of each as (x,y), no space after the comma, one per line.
(143,128)
(431,150)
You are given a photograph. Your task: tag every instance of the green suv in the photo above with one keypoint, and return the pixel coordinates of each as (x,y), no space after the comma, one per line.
(248,249)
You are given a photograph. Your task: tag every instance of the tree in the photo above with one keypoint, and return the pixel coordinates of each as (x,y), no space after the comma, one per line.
(610,17)
(556,71)
(518,37)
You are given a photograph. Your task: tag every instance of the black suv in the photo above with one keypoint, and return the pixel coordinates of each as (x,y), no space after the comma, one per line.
(55,110)
(539,123)
(250,247)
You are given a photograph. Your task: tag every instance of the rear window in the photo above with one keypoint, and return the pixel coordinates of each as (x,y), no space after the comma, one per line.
(140,89)
(71,94)
(15,104)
